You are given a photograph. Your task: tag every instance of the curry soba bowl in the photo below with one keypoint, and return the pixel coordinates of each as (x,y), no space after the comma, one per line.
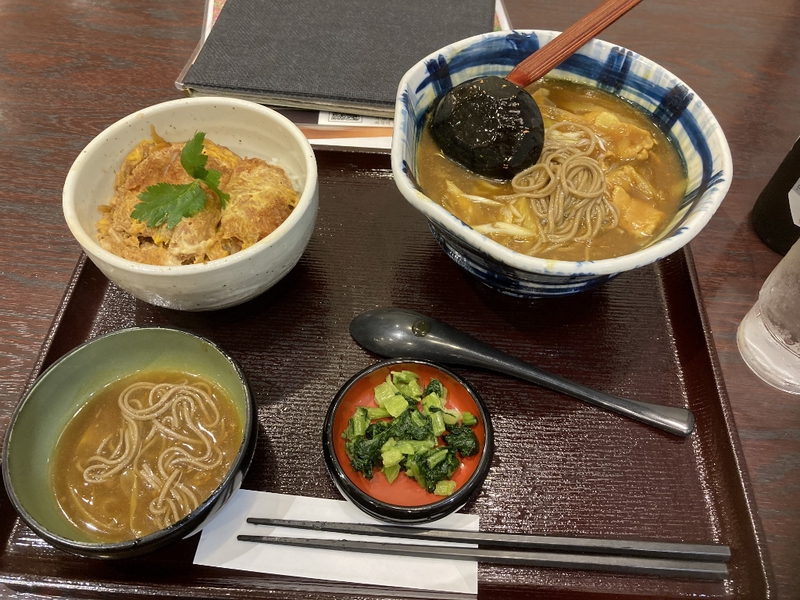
(195,204)
(129,442)
(634,166)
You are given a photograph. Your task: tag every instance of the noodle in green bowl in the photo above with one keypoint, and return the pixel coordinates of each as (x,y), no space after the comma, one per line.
(129,442)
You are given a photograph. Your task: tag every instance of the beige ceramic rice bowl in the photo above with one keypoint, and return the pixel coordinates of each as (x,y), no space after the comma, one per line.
(248,129)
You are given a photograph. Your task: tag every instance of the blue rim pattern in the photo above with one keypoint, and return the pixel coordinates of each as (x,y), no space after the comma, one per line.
(505,280)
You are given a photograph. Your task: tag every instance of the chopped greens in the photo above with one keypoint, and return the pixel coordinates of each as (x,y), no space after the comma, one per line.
(411,430)
(445,487)
(463,439)
(468,419)
(171,202)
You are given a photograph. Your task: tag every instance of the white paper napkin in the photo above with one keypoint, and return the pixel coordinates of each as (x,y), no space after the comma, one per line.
(219,547)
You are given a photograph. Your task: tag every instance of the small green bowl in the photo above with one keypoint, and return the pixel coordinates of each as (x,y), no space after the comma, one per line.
(73,380)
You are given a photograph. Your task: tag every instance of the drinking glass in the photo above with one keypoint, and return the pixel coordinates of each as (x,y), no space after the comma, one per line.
(769,335)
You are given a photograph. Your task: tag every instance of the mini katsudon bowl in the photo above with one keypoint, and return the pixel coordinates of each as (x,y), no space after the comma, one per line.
(495,233)
(221,256)
(408,441)
(130,442)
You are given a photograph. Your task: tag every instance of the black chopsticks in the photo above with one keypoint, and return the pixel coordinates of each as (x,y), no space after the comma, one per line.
(621,556)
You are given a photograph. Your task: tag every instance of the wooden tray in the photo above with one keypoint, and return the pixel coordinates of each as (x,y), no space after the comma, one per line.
(561,467)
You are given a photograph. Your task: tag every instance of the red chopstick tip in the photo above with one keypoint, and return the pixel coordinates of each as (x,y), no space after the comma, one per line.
(518,76)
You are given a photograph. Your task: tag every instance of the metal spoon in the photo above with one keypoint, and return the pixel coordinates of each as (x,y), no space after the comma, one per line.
(397,332)
(492,125)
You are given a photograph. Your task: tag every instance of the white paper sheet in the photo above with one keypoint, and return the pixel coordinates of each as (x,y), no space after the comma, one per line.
(219,547)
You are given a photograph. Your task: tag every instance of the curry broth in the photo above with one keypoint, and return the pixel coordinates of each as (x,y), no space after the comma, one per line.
(116,510)
(663,169)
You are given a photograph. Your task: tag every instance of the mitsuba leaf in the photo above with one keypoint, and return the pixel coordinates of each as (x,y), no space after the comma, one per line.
(192,158)
(212,181)
(194,163)
(169,202)
(172,202)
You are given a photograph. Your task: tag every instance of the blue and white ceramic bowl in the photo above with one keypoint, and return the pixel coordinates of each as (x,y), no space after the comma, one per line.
(670,102)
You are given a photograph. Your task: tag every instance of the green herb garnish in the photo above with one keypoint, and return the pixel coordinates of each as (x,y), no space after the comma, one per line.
(172,202)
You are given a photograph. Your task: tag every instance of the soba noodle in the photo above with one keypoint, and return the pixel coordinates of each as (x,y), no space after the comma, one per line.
(145,456)
(607,183)
(565,189)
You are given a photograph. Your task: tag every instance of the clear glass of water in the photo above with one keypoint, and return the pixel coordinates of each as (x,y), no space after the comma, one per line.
(769,335)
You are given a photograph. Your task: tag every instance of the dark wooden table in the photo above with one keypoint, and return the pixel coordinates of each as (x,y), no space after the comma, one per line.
(69,69)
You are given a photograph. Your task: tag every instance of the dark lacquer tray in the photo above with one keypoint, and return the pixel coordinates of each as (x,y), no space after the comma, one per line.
(561,467)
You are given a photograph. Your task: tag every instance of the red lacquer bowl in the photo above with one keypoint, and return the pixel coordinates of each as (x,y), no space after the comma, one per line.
(404,500)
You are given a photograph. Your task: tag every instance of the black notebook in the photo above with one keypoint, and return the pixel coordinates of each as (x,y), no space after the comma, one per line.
(343,56)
